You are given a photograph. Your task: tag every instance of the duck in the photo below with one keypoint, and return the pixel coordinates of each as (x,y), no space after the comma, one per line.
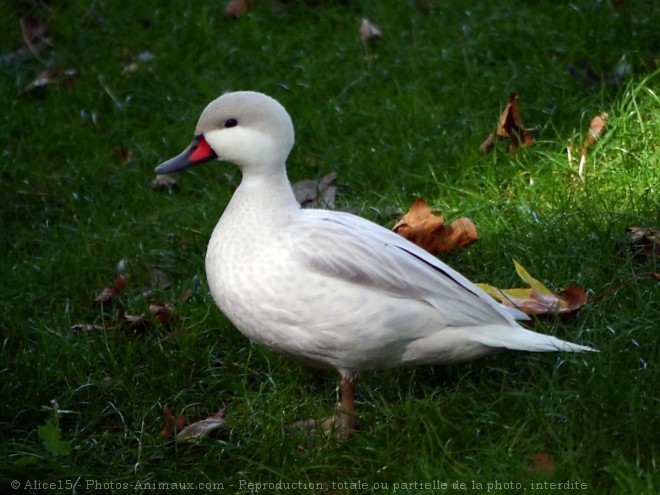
(328,288)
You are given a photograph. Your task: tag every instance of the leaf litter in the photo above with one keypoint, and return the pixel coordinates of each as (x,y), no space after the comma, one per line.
(596,131)
(420,226)
(158,312)
(320,193)
(644,240)
(511,127)
(108,294)
(537,299)
(55,75)
(194,432)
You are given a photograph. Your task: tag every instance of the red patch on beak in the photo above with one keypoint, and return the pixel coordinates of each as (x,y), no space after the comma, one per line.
(202,151)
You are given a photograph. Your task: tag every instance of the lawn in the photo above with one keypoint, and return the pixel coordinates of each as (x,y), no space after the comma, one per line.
(402,117)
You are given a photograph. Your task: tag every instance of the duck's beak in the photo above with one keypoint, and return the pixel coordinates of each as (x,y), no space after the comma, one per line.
(199,151)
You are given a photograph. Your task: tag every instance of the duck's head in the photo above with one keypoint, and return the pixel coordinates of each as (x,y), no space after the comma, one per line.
(249,129)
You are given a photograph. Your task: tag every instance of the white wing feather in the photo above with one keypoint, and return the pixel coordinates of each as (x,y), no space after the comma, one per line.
(353,249)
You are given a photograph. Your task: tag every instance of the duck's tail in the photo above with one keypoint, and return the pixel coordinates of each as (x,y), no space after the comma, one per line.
(521,339)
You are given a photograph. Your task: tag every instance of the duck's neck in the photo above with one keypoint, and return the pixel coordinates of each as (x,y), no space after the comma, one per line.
(267,196)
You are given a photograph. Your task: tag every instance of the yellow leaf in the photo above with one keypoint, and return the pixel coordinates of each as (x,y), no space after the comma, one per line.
(531,281)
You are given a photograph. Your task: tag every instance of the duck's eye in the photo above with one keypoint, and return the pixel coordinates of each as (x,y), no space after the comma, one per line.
(231,123)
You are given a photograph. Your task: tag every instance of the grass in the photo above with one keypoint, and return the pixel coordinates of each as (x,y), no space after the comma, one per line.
(408,123)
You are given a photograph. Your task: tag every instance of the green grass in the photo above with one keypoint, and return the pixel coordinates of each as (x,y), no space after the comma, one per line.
(407,124)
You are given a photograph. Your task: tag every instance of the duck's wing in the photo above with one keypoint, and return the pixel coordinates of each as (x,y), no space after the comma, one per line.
(348,247)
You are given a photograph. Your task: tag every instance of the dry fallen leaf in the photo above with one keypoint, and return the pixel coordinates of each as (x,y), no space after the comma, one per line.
(429,231)
(645,240)
(541,463)
(510,126)
(164,181)
(596,131)
(172,424)
(369,32)
(320,193)
(109,293)
(55,75)
(34,33)
(85,327)
(194,432)
(185,295)
(236,9)
(162,313)
(130,322)
(123,154)
(538,299)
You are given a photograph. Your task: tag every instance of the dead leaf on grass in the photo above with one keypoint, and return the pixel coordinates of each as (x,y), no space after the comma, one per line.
(194,432)
(108,294)
(172,424)
(369,32)
(645,240)
(130,322)
(541,463)
(537,299)
(320,193)
(123,155)
(510,126)
(164,181)
(235,9)
(428,231)
(185,295)
(596,131)
(34,33)
(162,313)
(55,75)
(85,327)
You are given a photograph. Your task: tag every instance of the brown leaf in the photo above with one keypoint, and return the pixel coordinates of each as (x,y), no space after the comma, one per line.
(538,299)
(85,327)
(130,322)
(162,313)
(55,75)
(172,424)
(194,432)
(109,293)
(185,295)
(320,193)
(488,143)
(369,32)
(164,181)
(33,29)
(596,130)
(236,9)
(541,463)
(460,234)
(123,154)
(645,240)
(510,126)
(420,226)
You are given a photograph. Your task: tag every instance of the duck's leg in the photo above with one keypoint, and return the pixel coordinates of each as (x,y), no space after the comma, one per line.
(342,422)
(346,409)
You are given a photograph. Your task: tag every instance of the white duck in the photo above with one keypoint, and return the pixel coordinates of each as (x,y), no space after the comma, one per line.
(331,289)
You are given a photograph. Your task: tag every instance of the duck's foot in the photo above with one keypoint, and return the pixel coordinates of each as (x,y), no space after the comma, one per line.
(342,423)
